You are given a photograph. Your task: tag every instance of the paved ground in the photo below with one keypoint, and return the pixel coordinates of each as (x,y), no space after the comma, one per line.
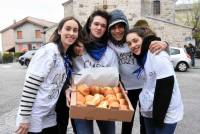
(11,82)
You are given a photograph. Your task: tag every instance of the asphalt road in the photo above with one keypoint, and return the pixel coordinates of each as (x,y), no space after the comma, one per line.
(12,78)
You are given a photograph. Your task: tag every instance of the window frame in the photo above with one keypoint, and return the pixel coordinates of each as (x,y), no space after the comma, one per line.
(19,35)
(38,34)
(156,7)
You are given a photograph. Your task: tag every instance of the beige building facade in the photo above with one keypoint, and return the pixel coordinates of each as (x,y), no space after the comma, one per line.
(24,35)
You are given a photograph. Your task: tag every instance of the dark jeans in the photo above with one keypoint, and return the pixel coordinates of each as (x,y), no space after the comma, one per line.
(50,130)
(152,129)
(86,126)
(62,112)
(193,60)
(133,96)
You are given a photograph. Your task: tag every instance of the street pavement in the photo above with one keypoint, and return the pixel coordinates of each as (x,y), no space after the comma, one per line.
(12,78)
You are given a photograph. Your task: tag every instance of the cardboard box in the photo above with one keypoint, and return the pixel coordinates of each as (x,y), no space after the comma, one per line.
(93,113)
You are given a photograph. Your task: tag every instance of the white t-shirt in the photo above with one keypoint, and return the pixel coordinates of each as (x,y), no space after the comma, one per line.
(158,67)
(109,59)
(127,65)
(46,63)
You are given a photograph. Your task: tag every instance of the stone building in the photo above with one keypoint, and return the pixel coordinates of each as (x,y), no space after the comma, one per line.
(160,14)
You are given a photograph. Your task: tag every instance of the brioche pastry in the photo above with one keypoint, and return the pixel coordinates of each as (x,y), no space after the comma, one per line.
(108,90)
(119,96)
(80,97)
(103,104)
(123,102)
(88,97)
(116,90)
(94,89)
(83,89)
(114,104)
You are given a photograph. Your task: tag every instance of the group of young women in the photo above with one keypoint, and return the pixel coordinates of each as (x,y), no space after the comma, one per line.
(104,41)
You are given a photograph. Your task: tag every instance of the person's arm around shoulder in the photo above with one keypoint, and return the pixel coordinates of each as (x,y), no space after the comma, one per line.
(158,46)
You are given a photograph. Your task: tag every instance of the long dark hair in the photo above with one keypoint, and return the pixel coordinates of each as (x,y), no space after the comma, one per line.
(85,34)
(56,38)
(142,31)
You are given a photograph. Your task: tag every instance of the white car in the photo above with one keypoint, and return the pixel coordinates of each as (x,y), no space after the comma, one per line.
(180,59)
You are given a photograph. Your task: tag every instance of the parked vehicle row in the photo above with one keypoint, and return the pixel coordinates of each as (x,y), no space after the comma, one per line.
(179,58)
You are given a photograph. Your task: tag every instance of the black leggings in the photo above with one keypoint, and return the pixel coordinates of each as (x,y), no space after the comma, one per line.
(133,96)
(62,112)
(50,130)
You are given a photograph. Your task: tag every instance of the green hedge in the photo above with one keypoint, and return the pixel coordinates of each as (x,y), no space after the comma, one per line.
(9,57)
(18,54)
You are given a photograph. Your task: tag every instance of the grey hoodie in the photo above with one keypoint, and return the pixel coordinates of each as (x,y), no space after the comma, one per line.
(117,16)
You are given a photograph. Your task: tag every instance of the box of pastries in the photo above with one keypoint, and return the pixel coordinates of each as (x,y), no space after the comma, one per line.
(99,101)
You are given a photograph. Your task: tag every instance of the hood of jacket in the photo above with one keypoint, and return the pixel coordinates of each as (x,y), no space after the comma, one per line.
(117,16)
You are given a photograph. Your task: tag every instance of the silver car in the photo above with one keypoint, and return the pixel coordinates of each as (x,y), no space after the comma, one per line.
(26,58)
(180,59)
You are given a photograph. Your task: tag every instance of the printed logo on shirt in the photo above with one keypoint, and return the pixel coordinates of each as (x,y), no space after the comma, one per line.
(152,74)
(56,82)
(88,63)
(126,58)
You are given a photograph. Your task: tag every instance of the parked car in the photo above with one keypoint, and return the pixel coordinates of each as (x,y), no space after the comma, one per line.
(180,59)
(26,58)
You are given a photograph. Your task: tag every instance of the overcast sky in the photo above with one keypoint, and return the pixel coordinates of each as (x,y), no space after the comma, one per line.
(51,10)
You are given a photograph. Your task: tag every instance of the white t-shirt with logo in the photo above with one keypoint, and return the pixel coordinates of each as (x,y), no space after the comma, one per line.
(47,63)
(158,67)
(109,59)
(127,65)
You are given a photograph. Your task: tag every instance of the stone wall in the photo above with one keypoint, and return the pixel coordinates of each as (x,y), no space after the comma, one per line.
(83,8)
(167,10)
(174,34)
(163,24)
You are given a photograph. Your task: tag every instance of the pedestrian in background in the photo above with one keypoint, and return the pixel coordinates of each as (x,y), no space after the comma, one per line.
(186,48)
(192,52)
(45,77)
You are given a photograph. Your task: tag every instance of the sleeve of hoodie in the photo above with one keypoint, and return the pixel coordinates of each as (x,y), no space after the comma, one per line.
(164,87)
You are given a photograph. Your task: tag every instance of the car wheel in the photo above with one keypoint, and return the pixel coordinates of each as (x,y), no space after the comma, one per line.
(27,62)
(182,67)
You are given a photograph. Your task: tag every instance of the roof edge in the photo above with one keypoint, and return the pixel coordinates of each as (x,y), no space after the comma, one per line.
(153,18)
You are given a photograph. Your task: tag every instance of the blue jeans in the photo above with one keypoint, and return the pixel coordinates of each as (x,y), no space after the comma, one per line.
(86,126)
(152,129)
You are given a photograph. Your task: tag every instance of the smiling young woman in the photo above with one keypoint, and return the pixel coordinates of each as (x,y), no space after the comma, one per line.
(47,78)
